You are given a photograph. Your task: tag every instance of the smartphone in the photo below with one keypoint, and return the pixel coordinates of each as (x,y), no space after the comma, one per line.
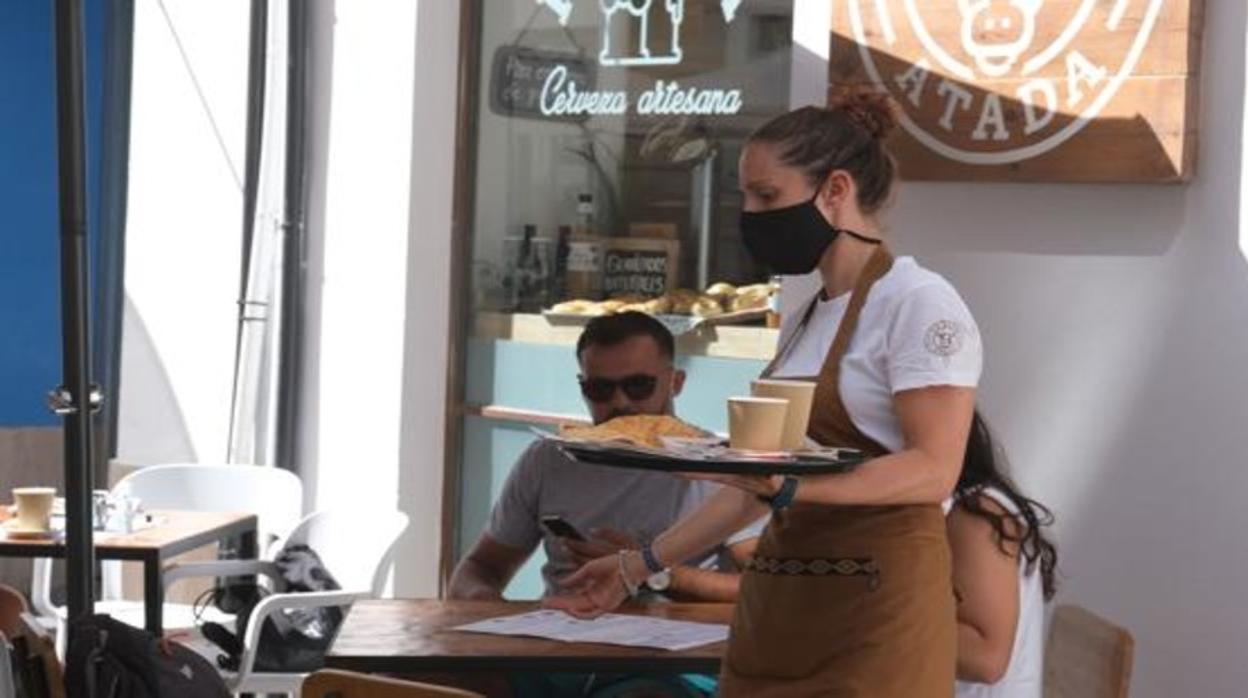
(560,528)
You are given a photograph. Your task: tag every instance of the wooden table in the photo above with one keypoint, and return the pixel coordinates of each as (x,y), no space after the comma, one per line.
(412,637)
(171,533)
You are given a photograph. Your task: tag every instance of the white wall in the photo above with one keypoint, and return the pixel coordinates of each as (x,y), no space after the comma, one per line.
(1115,320)
(383,131)
(428,293)
(184,230)
(360,131)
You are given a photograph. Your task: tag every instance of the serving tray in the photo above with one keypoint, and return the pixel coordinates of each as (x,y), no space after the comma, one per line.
(725,461)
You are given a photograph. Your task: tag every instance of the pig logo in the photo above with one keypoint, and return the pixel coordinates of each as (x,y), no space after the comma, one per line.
(996,32)
(982,82)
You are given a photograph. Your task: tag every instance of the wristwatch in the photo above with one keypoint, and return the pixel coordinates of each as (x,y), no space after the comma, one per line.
(660,578)
(660,581)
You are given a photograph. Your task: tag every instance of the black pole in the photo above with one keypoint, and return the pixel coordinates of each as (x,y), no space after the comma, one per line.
(294,252)
(111,227)
(74,309)
(257,58)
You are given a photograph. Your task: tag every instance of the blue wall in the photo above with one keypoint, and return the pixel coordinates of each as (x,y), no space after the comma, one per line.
(30,336)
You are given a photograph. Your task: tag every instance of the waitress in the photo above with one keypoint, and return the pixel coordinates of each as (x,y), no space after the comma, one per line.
(850,591)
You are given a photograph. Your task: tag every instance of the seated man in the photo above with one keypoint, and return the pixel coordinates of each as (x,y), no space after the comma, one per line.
(627,368)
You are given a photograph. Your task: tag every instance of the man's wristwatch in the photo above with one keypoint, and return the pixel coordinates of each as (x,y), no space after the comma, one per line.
(660,578)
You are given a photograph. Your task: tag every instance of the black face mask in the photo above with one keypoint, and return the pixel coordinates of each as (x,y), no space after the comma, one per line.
(791,240)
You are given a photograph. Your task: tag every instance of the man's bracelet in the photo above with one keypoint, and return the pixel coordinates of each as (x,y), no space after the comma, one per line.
(783,498)
(632,589)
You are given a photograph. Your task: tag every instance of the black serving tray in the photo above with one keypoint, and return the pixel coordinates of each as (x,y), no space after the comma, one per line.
(622,456)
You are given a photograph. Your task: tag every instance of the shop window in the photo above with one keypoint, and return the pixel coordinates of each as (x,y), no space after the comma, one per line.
(608,133)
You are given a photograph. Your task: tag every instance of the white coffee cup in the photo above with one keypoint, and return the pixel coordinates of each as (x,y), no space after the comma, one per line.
(34,507)
(801,395)
(756,423)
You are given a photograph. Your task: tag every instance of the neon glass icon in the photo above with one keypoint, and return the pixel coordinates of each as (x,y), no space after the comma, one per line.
(561,8)
(639,12)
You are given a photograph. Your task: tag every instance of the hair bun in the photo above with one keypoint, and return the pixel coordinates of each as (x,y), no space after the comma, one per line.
(873,110)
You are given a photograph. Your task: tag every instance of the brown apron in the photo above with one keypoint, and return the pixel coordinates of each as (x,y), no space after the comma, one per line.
(845,600)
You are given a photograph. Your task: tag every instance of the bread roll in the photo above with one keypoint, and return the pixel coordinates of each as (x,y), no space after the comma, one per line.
(754,289)
(682,300)
(721,289)
(749,301)
(574,307)
(706,307)
(657,306)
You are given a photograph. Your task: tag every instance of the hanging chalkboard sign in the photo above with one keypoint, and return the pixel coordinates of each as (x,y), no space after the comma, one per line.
(519,74)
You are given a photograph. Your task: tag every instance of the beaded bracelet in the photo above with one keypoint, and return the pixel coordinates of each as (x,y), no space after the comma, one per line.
(632,589)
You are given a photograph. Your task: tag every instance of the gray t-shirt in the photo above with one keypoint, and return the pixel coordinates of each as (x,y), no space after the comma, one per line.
(640,503)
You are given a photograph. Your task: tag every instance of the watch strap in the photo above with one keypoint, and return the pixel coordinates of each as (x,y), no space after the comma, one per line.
(651,560)
(783,498)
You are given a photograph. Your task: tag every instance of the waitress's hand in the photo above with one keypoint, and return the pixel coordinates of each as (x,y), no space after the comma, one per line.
(765,486)
(591,591)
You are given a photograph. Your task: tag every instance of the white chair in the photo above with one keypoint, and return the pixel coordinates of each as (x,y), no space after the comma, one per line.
(274,495)
(356,546)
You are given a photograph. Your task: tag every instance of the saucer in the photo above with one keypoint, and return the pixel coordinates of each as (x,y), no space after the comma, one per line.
(15,533)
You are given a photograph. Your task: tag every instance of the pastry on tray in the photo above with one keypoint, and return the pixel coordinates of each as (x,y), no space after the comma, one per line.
(639,430)
(577,307)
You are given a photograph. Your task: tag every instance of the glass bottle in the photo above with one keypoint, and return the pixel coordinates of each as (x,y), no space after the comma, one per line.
(584,277)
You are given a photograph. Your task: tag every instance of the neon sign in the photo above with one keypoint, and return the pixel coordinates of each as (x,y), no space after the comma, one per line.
(562,96)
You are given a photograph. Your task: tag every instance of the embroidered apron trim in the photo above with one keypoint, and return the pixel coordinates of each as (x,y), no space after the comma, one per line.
(818,567)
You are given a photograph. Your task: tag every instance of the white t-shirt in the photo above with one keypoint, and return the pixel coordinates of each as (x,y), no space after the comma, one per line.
(914,332)
(1024,677)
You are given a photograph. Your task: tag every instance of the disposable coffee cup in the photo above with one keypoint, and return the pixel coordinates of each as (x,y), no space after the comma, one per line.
(34,507)
(800,394)
(756,423)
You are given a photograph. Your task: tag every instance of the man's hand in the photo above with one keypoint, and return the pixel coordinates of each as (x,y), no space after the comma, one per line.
(596,588)
(601,543)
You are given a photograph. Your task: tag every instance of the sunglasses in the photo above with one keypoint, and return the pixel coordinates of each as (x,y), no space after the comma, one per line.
(638,386)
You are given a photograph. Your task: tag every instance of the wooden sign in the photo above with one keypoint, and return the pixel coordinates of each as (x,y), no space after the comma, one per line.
(1030,90)
(519,74)
(639,266)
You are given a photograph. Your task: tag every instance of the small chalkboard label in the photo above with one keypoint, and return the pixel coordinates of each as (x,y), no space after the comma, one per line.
(639,267)
(519,73)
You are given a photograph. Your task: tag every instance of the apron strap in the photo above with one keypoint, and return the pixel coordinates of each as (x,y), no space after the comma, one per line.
(830,421)
(789,342)
(880,262)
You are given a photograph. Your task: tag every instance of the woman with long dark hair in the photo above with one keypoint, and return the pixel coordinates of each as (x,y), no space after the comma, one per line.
(1004,569)
(850,591)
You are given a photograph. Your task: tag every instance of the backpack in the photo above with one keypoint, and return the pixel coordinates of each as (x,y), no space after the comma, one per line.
(109,659)
(291,640)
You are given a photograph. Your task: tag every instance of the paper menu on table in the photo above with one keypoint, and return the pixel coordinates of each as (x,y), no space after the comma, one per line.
(610,629)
